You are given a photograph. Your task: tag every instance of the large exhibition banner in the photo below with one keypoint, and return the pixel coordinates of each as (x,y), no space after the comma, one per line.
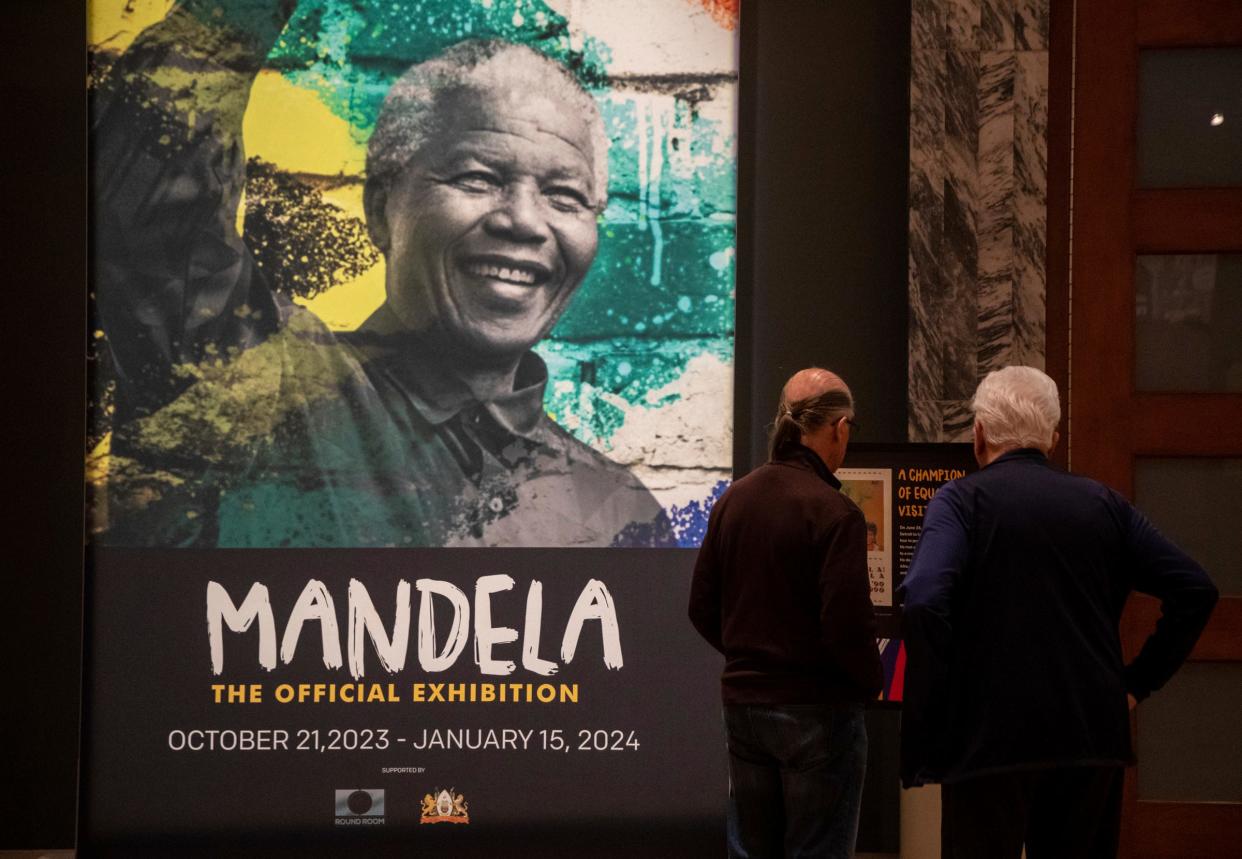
(412,355)
(412,361)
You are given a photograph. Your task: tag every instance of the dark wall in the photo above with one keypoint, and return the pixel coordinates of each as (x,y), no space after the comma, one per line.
(822,225)
(44,179)
(824,158)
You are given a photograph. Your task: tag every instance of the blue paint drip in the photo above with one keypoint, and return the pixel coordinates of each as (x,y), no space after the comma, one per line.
(690,522)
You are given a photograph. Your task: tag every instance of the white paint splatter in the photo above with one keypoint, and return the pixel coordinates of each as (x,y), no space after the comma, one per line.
(682,448)
(720,259)
(653,121)
(659,132)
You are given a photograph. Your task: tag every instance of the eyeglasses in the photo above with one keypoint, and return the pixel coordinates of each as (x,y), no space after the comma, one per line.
(855,426)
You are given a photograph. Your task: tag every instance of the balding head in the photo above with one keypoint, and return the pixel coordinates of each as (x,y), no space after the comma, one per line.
(811,400)
(811,382)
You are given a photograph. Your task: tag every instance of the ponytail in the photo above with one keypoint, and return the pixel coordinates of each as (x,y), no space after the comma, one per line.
(785,432)
(794,420)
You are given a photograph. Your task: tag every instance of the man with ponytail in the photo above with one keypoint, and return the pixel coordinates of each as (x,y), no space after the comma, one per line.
(780,588)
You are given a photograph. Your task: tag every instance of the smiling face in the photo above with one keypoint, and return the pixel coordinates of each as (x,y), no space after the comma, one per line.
(490,228)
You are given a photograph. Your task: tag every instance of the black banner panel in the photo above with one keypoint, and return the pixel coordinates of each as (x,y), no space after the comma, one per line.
(429,698)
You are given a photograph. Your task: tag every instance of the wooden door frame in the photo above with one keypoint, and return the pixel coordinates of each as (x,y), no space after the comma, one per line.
(1097,222)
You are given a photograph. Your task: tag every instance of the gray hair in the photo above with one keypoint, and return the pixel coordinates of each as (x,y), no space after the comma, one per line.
(418,104)
(797,418)
(1018,407)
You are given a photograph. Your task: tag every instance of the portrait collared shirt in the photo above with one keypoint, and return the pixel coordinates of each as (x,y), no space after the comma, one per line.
(358,440)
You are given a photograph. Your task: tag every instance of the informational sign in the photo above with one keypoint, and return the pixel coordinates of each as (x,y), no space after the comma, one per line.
(892,485)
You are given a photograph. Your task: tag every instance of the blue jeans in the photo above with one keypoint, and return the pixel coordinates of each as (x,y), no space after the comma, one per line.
(795,779)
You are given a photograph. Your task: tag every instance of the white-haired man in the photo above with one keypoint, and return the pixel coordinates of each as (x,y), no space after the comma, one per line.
(241,419)
(1016,693)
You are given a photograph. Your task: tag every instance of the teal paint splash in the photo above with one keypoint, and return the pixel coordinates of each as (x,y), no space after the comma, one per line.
(350,52)
(593,385)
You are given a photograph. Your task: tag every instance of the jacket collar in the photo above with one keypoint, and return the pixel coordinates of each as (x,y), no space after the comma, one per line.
(801,456)
(1021,453)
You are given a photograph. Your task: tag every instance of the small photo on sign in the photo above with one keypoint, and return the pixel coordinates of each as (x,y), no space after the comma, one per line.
(871,490)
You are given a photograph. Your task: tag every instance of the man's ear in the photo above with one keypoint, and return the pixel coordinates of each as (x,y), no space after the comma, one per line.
(981,443)
(1056,437)
(375,205)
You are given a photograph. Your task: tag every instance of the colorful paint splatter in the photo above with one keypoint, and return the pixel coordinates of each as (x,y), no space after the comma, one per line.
(724,11)
(639,365)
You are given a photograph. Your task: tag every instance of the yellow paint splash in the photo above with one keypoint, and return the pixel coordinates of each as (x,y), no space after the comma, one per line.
(292,128)
(114,24)
(346,306)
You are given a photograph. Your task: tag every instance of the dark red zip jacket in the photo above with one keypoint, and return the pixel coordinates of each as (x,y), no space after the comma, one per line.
(780,588)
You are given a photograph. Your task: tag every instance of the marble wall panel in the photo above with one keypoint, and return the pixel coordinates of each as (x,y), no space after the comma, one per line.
(1030,207)
(924,419)
(977,201)
(927,132)
(961,19)
(929,31)
(995,226)
(1031,25)
(996,25)
(957,420)
(959,250)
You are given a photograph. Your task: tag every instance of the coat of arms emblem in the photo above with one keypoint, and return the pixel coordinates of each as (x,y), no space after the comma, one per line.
(444,806)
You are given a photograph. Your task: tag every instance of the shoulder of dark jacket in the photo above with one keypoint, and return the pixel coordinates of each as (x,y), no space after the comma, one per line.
(802,457)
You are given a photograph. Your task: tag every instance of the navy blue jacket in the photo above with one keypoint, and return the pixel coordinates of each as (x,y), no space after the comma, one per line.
(1011,613)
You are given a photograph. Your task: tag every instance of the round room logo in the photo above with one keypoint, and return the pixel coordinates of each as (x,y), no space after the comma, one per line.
(444,806)
(359,806)
(360,802)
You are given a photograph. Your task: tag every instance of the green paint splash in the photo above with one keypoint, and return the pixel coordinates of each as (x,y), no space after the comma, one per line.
(351,52)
